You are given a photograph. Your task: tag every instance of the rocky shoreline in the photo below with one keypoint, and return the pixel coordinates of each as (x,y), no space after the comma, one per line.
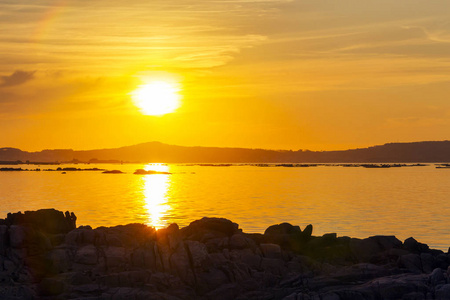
(44,256)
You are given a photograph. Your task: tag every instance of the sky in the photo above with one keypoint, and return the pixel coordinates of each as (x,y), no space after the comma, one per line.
(274,74)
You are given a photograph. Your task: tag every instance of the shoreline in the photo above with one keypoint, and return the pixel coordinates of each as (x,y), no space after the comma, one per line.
(44,255)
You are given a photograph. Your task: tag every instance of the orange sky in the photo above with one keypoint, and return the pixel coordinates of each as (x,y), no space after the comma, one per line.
(276,74)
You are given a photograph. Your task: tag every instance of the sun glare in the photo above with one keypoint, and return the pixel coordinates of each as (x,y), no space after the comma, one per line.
(157,98)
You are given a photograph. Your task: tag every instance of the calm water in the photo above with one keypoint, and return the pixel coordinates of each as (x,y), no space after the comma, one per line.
(358,202)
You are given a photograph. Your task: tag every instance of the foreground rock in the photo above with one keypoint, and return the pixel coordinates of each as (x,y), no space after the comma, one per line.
(43,256)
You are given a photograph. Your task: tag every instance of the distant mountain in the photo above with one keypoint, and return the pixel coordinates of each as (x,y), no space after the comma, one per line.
(437,151)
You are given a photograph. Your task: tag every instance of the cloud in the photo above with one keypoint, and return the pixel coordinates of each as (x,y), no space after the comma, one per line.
(16,78)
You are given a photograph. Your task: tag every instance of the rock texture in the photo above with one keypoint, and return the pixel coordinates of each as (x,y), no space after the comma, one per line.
(43,256)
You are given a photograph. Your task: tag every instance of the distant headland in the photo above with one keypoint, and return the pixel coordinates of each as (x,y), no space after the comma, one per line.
(155,152)
(45,256)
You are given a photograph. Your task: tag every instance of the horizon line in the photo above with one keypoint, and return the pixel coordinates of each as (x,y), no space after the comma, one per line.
(223,147)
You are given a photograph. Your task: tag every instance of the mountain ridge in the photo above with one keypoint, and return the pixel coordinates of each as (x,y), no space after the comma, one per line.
(151,152)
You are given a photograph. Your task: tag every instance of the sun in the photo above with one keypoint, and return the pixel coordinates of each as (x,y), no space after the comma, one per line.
(157,98)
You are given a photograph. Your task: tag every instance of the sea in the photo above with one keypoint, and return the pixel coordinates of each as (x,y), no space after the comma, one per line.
(347,200)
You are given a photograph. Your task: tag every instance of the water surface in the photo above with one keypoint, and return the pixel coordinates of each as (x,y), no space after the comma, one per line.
(358,202)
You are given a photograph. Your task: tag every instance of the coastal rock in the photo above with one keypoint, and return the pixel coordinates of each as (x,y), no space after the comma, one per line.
(198,253)
(428,262)
(288,236)
(46,220)
(114,257)
(241,241)
(209,228)
(80,236)
(283,228)
(443,292)
(411,262)
(50,287)
(436,277)
(414,246)
(212,259)
(271,250)
(366,250)
(86,255)
(60,260)
(4,239)
(17,236)
(307,232)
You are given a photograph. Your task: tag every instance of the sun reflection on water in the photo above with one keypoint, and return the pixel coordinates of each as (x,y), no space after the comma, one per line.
(156,187)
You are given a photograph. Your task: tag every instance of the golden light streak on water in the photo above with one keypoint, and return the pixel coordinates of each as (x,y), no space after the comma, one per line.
(156,187)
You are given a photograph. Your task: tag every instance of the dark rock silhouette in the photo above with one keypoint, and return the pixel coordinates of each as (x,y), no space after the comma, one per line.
(46,220)
(288,236)
(113,172)
(150,172)
(43,256)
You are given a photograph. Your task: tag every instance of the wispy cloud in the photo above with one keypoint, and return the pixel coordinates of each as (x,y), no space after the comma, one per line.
(16,78)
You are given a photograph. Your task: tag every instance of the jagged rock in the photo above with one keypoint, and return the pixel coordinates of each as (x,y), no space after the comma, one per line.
(414,246)
(17,292)
(46,220)
(329,248)
(211,279)
(307,232)
(246,256)
(287,236)
(198,253)
(114,256)
(17,236)
(87,255)
(80,236)
(366,249)
(428,262)
(283,228)
(436,277)
(443,292)
(271,250)
(78,278)
(51,287)
(273,265)
(3,239)
(60,260)
(225,292)
(208,228)
(442,261)
(411,262)
(212,259)
(330,296)
(241,241)
(182,265)
(173,236)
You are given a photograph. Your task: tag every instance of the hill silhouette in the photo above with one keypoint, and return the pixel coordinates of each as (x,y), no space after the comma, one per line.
(432,151)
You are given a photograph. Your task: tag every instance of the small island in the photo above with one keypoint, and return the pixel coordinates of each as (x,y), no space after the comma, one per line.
(45,255)
(113,172)
(150,172)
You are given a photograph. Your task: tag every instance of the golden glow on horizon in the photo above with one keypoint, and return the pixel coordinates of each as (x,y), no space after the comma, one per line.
(155,192)
(157,98)
(318,76)
(156,167)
